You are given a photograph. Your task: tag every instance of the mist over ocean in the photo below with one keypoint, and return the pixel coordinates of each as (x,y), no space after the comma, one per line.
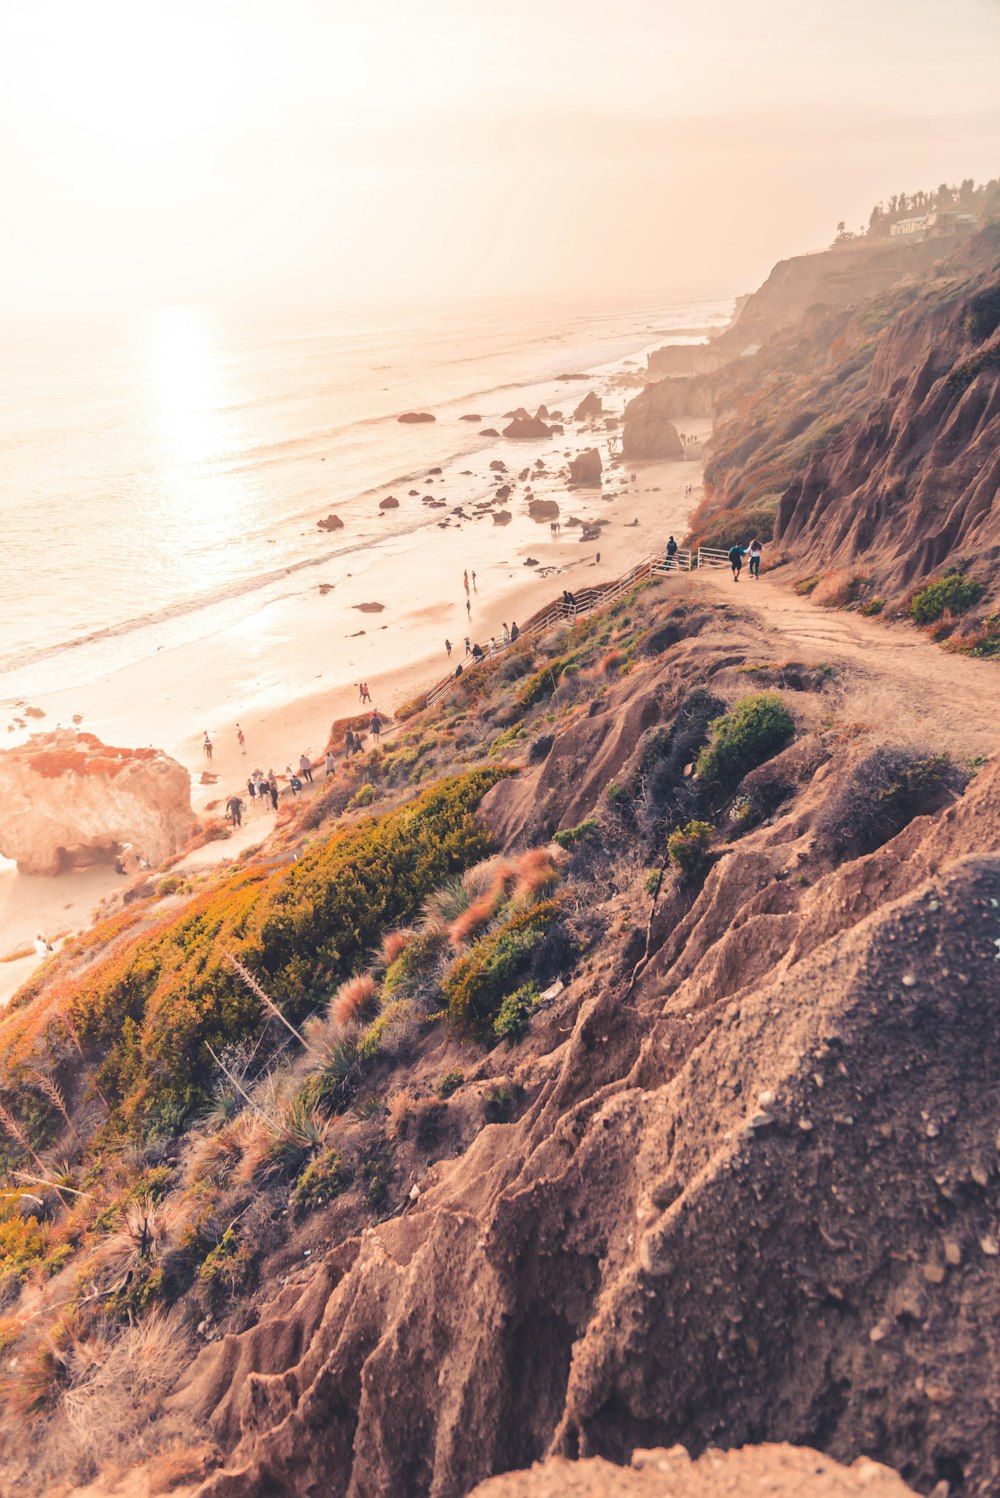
(159,483)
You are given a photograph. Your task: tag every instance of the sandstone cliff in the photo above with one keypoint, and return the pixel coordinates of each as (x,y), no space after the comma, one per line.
(67,800)
(648,431)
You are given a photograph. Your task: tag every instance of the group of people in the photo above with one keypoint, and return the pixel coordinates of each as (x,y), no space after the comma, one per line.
(736,555)
(568,602)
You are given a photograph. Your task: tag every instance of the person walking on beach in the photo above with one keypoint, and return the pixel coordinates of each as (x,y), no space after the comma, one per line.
(375,726)
(366,696)
(447,646)
(234,809)
(206,744)
(468,607)
(671,551)
(241,740)
(465,580)
(272,789)
(755,554)
(736,561)
(474,588)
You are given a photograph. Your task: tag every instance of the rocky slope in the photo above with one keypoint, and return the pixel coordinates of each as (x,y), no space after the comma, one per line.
(67,800)
(671,1120)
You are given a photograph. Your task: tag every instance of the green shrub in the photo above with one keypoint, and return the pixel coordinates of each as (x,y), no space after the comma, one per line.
(808,584)
(393,1014)
(322,1180)
(413,965)
(226,1271)
(476,985)
(450,1082)
(515,1012)
(411,708)
(542,684)
(953,592)
(571,835)
(363,796)
(757,727)
(651,883)
(688,848)
(23,1242)
(873,606)
(154,1006)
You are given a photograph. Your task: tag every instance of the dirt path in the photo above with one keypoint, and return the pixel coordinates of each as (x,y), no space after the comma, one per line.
(901,680)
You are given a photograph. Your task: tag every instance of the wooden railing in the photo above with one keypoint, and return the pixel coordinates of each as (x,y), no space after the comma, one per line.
(711,556)
(584,602)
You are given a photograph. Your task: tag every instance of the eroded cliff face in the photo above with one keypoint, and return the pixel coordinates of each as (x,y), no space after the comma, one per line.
(67,800)
(867,439)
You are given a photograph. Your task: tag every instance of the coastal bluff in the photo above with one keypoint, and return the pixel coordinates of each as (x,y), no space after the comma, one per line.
(69,801)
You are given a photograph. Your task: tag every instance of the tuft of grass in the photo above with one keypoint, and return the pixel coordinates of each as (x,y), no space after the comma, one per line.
(323,1179)
(450,1082)
(355,1000)
(571,835)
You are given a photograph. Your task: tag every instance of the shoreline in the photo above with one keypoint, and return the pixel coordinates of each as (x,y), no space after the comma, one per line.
(290,668)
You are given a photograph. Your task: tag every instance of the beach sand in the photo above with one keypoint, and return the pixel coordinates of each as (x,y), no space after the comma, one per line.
(288,671)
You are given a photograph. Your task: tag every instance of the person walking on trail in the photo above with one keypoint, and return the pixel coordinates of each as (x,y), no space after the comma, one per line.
(206,744)
(348,743)
(468,646)
(305,765)
(514,632)
(671,551)
(506,635)
(328,763)
(272,789)
(375,726)
(294,783)
(234,810)
(252,791)
(447,646)
(241,740)
(42,946)
(736,561)
(755,554)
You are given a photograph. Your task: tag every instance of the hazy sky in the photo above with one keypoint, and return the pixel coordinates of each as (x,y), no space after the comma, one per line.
(289,152)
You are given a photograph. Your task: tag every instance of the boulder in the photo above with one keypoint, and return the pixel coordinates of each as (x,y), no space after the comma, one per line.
(542,414)
(502,517)
(543,509)
(648,433)
(589,407)
(585,468)
(471,416)
(411,418)
(503,492)
(489,432)
(389,503)
(69,801)
(525,428)
(498,466)
(331,523)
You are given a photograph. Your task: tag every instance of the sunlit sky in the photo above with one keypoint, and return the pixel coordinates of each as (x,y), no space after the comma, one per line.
(284,153)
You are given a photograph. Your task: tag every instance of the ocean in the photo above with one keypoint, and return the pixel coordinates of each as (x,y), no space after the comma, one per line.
(159,481)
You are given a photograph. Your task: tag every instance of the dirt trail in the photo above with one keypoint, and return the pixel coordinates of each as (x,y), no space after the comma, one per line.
(919,686)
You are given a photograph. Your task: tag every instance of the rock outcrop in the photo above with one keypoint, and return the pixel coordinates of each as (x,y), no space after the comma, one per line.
(585,469)
(331,523)
(648,432)
(589,407)
(525,427)
(68,801)
(412,418)
(389,503)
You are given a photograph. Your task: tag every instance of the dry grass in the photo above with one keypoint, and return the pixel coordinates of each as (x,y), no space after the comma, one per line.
(612,663)
(355,1000)
(400,1108)
(215,1158)
(474,917)
(535,873)
(394,944)
(887,712)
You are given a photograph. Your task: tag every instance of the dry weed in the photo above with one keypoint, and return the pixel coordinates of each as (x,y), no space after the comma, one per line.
(400,1107)
(394,944)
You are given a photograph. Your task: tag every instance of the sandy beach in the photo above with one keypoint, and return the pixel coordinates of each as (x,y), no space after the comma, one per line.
(285,672)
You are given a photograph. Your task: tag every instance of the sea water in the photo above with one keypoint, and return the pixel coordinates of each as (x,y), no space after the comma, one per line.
(159,479)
